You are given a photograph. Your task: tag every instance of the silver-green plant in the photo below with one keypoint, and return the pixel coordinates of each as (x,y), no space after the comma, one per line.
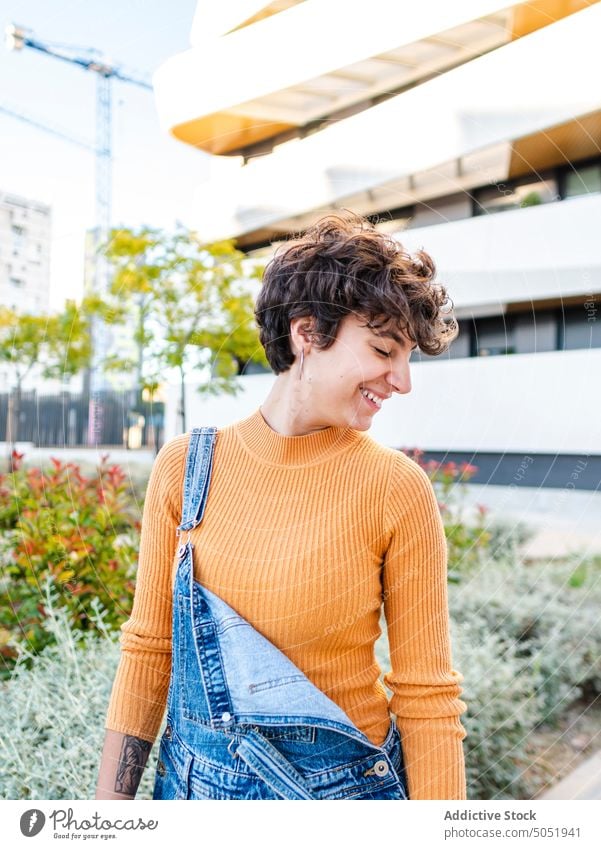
(52,714)
(526,638)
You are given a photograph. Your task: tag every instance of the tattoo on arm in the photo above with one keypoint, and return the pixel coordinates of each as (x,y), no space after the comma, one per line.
(132,760)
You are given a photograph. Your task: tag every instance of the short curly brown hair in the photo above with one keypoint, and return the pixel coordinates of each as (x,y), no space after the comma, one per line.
(343,265)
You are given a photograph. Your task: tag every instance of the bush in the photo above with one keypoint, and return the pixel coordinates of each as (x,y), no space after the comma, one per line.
(525,649)
(528,643)
(550,612)
(503,709)
(526,639)
(80,531)
(506,538)
(466,540)
(54,706)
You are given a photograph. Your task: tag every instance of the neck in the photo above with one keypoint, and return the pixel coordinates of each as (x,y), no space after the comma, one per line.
(287,410)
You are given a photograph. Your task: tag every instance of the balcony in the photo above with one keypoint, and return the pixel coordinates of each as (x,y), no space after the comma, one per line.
(470,126)
(533,254)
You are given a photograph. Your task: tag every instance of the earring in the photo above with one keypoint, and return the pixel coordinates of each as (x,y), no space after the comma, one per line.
(302,362)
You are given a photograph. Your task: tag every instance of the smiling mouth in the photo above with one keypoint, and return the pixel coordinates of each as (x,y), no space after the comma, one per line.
(373,404)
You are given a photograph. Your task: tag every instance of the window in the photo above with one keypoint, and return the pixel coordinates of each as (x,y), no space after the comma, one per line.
(493,336)
(458,349)
(505,196)
(35,253)
(528,332)
(18,238)
(580,327)
(584,180)
(535,332)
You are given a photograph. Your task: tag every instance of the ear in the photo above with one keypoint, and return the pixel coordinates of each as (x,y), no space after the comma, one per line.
(301,333)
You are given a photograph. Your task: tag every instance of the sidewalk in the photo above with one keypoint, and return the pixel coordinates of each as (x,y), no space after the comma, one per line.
(563,521)
(583,783)
(139,458)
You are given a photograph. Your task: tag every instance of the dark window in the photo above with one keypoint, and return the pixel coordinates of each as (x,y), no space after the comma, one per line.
(493,336)
(573,328)
(504,196)
(580,327)
(583,180)
(458,349)
(535,331)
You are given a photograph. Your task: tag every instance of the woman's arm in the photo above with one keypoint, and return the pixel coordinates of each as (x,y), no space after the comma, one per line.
(123,760)
(139,693)
(425,687)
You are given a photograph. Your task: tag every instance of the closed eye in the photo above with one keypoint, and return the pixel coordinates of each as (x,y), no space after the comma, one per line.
(382,353)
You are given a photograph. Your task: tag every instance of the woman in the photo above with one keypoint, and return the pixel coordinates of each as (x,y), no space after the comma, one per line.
(310,528)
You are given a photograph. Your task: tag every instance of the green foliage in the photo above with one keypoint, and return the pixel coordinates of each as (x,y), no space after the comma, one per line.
(58,343)
(82,532)
(506,538)
(191,306)
(503,710)
(531,199)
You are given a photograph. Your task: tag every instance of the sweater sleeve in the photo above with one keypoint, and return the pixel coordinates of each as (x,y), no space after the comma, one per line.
(425,687)
(139,693)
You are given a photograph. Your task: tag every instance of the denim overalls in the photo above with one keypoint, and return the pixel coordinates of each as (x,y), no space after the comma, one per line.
(243,722)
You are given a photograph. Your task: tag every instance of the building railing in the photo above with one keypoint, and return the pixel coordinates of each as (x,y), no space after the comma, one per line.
(61,420)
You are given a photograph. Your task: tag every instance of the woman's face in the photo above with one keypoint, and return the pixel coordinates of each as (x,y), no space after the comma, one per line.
(361,362)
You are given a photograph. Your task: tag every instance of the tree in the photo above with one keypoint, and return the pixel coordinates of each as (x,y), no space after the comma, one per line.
(192,308)
(58,343)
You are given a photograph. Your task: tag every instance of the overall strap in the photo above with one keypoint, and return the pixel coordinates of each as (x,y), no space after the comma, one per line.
(197,476)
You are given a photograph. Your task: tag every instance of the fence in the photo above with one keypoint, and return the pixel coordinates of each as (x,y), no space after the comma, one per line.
(51,421)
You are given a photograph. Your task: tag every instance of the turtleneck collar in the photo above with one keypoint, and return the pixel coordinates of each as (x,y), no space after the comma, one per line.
(277,450)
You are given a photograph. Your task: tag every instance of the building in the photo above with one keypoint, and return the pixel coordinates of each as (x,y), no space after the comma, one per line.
(108,339)
(24,254)
(471,129)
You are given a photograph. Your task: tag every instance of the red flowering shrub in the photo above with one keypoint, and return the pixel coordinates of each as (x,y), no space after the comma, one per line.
(81,532)
(465,540)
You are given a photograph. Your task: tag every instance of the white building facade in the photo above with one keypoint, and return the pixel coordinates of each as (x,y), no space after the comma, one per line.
(482,146)
(25,232)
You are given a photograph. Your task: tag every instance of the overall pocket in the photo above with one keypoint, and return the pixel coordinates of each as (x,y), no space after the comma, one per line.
(173,767)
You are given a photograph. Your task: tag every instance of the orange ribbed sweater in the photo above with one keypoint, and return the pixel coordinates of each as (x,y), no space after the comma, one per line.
(306,537)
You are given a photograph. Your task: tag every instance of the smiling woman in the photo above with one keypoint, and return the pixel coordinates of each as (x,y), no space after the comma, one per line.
(348,305)
(343,266)
(300,529)
(343,384)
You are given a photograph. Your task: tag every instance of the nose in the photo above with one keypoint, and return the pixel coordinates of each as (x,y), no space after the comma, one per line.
(399,377)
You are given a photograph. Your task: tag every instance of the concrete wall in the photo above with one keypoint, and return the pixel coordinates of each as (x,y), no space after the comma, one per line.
(542,403)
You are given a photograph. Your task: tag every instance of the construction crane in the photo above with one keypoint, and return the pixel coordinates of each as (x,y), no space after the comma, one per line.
(18,38)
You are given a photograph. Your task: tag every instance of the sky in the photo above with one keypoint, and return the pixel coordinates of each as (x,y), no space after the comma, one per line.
(152,173)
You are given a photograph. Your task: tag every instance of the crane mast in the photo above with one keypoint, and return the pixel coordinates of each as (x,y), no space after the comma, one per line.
(19,38)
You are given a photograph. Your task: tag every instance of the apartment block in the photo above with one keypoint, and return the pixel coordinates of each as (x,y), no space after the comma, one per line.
(25,230)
